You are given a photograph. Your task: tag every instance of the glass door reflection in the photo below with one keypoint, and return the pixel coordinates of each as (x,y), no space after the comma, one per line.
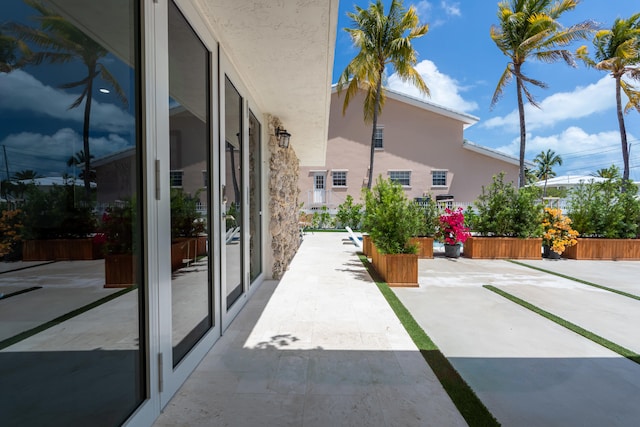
(191,295)
(232,193)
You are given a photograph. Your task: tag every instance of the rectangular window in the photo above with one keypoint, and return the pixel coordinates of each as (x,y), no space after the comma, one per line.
(378,138)
(175,177)
(401,177)
(439,178)
(339,178)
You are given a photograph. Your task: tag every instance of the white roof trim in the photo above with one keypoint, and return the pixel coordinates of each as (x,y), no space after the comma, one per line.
(465,118)
(494,153)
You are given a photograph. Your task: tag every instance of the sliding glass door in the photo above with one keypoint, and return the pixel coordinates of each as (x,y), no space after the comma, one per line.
(190,142)
(72,282)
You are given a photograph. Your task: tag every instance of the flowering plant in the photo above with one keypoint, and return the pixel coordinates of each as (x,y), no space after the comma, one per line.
(451,228)
(116,232)
(558,234)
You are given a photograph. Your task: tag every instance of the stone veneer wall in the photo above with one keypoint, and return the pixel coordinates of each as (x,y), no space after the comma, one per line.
(284,166)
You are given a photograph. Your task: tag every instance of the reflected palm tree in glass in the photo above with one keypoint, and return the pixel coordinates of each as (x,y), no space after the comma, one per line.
(62,43)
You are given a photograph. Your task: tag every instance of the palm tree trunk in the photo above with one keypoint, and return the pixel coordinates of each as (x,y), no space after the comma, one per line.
(523,130)
(375,125)
(85,131)
(623,133)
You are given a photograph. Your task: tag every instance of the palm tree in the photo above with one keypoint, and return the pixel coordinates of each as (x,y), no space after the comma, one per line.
(63,43)
(611,172)
(79,159)
(383,40)
(617,51)
(529,28)
(8,47)
(546,162)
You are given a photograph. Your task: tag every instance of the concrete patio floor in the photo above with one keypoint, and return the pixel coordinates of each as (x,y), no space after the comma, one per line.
(322,347)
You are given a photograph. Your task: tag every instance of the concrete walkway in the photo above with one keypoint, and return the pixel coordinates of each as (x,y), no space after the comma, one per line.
(320,348)
(528,370)
(323,348)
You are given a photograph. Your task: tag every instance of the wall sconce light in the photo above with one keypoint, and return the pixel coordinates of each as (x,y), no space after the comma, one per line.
(283,137)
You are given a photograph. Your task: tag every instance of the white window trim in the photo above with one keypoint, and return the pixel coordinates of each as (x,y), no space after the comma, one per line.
(346,173)
(381,127)
(401,170)
(181,179)
(446,172)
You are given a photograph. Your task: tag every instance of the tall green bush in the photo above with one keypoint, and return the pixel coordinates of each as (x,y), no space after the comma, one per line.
(504,210)
(608,209)
(349,213)
(430,217)
(57,213)
(390,218)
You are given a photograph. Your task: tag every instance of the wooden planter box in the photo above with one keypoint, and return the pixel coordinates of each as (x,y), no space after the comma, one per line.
(425,246)
(503,248)
(366,245)
(399,269)
(119,270)
(59,250)
(604,249)
(187,248)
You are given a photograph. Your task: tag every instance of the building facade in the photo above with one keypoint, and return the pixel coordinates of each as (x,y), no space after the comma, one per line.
(155,98)
(418,144)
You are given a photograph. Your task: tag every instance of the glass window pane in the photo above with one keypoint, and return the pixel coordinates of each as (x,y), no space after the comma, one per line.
(401,177)
(232,197)
(71,330)
(255,200)
(189,88)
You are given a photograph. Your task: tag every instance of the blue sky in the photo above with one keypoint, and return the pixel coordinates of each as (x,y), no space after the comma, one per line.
(461,65)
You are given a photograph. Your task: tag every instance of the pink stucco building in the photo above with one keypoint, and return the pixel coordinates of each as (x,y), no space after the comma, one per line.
(419,144)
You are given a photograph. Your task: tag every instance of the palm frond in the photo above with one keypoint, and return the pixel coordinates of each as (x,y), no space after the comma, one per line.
(108,77)
(79,99)
(505,78)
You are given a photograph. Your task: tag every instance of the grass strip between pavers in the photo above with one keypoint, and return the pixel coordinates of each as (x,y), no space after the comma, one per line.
(466,401)
(584,282)
(625,352)
(51,323)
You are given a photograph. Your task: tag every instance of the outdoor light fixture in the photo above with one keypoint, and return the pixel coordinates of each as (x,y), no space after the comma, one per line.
(283,137)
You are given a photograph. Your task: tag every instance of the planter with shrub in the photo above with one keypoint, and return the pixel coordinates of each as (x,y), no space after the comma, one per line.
(391,220)
(607,216)
(506,223)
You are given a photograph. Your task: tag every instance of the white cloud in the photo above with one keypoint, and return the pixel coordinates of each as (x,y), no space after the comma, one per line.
(445,90)
(451,9)
(423,8)
(561,106)
(48,154)
(22,91)
(582,153)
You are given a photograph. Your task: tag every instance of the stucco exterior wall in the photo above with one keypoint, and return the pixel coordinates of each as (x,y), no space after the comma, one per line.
(415,140)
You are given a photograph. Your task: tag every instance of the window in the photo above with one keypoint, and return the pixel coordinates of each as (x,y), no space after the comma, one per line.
(378,138)
(175,177)
(205,179)
(439,178)
(339,178)
(401,177)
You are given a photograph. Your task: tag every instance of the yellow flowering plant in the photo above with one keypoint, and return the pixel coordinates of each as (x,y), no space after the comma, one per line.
(558,234)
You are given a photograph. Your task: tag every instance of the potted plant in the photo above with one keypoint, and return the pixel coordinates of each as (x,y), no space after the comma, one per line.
(452,231)
(391,220)
(117,237)
(57,225)
(507,222)
(424,239)
(607,216)
(188,228)
(557,233)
